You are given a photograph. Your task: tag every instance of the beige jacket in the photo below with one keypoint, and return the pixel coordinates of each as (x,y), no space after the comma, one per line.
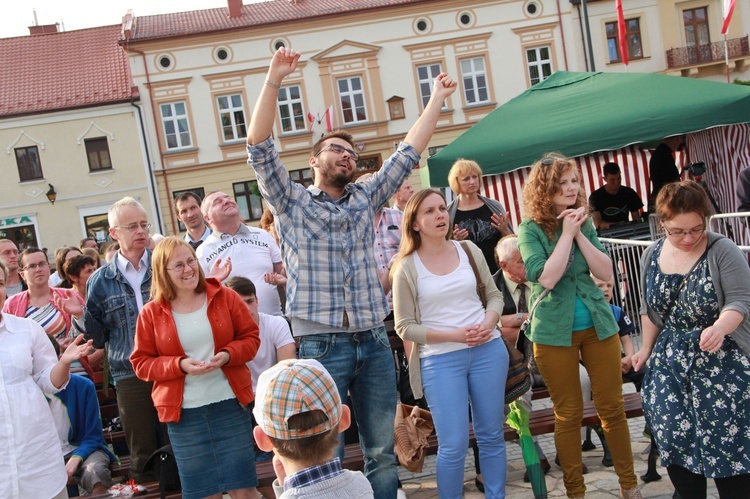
(406,312)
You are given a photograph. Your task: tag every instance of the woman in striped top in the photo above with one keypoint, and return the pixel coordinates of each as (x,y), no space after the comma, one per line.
(39,302)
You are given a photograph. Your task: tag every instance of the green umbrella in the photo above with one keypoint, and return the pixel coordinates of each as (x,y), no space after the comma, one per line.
(518,419)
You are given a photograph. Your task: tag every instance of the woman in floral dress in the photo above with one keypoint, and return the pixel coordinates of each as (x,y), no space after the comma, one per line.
(696,394)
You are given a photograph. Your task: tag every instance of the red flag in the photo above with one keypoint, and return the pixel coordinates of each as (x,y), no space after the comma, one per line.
(622,32)
(311,118)
(329,119)
(728,11)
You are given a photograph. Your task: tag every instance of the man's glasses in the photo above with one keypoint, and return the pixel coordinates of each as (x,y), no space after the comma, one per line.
(340,150)
(180,267)
(682,233)
(34,266)
(133,227)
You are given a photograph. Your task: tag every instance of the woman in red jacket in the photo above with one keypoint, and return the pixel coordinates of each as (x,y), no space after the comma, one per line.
(193,341)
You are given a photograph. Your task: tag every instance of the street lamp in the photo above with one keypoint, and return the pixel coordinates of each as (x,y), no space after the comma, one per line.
(51,194)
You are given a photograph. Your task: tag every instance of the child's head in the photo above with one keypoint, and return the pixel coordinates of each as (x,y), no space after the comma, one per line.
(606,286)
(299,412)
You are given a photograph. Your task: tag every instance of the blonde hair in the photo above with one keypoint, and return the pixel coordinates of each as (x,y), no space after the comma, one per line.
(459,169)
(411,241)
(162,289)
(543,185)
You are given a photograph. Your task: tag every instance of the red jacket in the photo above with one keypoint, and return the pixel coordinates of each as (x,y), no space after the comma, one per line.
(157,353)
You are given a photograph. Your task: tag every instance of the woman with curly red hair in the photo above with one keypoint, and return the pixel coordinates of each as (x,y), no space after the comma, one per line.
(572,320)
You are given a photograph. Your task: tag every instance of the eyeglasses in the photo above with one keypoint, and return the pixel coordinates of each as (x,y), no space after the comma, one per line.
(683,233)
(34,266)
(180,267)
(340,150)
(133,227)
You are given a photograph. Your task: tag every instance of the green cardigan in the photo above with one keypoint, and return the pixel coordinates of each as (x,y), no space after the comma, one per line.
(406,312)
(552,322)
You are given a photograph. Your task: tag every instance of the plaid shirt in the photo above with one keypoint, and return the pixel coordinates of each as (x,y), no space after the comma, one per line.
(387,236)
(314,474)
(327,244)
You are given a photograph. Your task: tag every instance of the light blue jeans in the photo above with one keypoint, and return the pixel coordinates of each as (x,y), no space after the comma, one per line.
(362,365)
(450,380)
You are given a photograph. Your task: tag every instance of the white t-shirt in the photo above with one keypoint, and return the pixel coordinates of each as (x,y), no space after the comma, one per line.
(254,253)
(447,302)
(274,334)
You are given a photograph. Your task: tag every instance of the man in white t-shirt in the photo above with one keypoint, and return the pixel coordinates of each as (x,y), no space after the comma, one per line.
(252,252)
(276,341)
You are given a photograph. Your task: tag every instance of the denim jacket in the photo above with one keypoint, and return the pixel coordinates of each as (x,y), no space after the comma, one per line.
(112,313)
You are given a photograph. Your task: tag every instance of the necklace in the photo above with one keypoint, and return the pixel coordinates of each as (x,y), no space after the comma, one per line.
(680,268)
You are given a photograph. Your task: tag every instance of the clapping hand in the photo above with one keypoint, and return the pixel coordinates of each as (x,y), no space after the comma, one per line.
(71,304)
(460,234)
(275,279)
(219,271)
(76,350)
(500,222)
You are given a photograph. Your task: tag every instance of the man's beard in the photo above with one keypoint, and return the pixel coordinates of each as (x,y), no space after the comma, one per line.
(338,179)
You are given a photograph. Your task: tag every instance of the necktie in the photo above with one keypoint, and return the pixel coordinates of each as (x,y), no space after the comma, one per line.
(522,306)
(195,244)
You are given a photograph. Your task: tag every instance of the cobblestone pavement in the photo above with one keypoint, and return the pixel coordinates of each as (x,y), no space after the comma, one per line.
(601,482)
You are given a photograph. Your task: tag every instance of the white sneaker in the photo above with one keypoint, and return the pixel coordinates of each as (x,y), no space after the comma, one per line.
(400,494)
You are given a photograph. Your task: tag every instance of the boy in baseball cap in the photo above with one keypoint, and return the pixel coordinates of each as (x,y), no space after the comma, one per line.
(299,415)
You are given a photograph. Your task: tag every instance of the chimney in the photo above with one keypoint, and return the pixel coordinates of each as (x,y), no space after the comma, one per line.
(43,29)
(235,8)
(128,24)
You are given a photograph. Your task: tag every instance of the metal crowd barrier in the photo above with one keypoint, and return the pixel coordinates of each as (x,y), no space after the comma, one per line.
(735,226)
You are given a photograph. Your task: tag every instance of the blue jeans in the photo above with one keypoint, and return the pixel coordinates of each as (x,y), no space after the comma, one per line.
(450,380)
(362,365)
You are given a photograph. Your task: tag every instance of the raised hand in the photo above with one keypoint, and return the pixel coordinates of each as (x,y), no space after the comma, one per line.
(275,279)
(443,86)
(284,63)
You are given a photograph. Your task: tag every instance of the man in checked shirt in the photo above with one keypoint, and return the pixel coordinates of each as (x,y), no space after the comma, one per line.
(334,298)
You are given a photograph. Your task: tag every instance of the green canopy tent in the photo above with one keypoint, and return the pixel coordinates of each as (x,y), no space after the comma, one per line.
(582,113)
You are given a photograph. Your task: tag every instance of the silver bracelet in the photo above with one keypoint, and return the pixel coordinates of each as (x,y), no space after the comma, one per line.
(272,84)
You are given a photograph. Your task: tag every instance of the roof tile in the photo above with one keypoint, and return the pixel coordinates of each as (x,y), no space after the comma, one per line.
(253,15)
(56,71)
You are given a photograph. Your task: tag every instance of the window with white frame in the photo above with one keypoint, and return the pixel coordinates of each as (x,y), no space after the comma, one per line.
(539,64)
(290,109)
(426,79)
(474,76)
(352,98)
(175,122)
(232,117)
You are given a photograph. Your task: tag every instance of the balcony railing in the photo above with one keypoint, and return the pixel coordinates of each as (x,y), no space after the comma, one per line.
(711,52)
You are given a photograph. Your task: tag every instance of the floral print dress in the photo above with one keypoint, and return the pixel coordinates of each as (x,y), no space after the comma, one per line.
(697,403)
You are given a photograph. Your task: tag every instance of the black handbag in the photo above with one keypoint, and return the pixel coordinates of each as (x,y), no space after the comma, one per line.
(164,465)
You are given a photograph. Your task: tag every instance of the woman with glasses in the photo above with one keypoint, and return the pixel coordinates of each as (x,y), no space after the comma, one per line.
(458,355)
(53,308)
(481,220)
(193,341)
(696,392)
(572,320)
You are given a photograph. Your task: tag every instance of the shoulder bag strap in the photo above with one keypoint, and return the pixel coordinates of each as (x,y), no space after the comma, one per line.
(684,280)
(480,285)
